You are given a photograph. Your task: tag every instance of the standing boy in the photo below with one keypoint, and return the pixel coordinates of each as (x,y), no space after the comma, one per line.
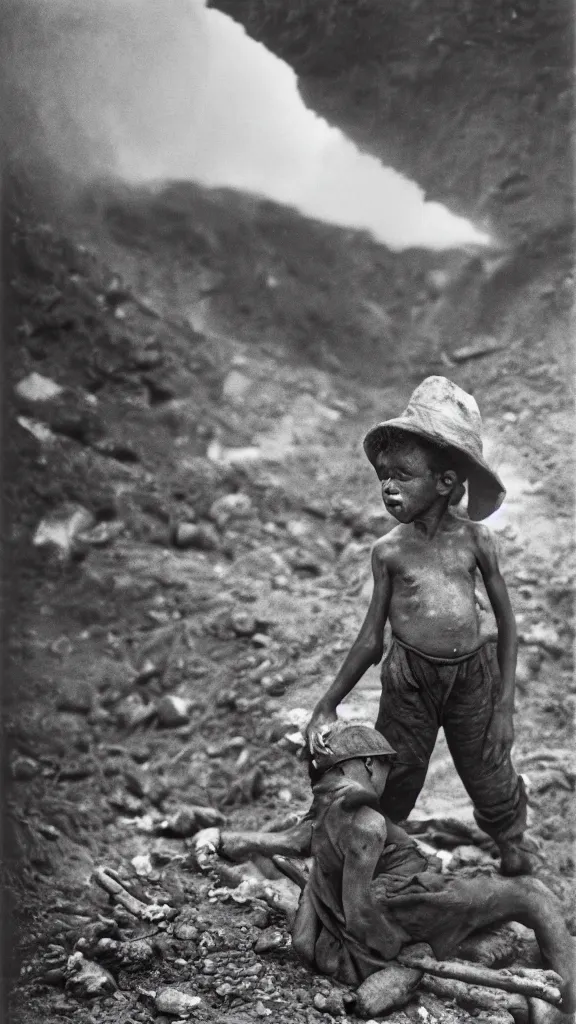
(437,670)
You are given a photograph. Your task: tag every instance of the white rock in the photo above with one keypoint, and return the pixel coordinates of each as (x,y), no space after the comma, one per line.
(142,865)
(293,741)
(38,430)
(205,846)
(87,979)
(240,456)
(173,711)
(36,388)
(388,989)
(287,722)
(231,506)
(175,1003)
(541,634)
(297,528)
(61,528)
(235,386)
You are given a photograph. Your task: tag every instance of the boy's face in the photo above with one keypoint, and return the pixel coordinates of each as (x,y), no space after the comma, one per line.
(379,770)
(409,486)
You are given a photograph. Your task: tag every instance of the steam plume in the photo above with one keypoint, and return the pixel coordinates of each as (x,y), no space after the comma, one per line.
(151,91)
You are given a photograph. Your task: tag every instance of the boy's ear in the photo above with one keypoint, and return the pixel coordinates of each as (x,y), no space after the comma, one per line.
(446,481)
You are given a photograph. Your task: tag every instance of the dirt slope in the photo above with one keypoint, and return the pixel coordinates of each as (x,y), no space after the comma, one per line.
(212,346)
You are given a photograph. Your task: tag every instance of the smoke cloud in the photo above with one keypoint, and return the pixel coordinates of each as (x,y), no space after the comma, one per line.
(150,91)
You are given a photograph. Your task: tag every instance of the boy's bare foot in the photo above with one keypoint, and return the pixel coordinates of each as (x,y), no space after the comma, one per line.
(514,860)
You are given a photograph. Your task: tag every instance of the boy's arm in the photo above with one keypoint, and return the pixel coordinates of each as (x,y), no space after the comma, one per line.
(366,650)
(364,844)
(501,729)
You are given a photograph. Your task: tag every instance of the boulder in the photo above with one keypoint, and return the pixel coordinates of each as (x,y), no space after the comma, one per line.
(386,990)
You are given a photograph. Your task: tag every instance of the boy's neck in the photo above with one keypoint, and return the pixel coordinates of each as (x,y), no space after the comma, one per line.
(429,522)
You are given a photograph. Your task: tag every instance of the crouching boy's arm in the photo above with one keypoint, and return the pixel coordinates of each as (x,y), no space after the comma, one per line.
(363,844)
(366,650)
(501,732)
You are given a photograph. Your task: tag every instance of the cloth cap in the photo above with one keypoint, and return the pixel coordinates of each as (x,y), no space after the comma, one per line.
(441,412)
(347,742)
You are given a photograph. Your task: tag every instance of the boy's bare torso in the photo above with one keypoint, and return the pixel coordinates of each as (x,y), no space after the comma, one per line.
(432,586)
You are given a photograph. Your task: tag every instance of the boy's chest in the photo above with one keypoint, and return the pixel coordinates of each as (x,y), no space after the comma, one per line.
(434,561)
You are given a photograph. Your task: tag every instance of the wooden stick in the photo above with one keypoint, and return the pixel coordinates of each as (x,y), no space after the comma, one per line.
(477,997)
(143,911)
(544,985)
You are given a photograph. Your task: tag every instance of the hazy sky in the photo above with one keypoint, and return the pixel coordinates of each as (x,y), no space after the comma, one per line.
(158,90)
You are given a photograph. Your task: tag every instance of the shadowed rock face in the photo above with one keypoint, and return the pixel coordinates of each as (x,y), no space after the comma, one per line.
(473,102)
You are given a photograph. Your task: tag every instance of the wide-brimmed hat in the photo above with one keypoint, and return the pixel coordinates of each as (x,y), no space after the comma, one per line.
(346,742)
(441,412)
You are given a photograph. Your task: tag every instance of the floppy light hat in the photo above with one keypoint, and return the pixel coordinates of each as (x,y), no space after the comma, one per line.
(344,743)
(441,412)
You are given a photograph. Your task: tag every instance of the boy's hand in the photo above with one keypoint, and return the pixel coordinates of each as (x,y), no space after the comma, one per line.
(500,735)
(316,730)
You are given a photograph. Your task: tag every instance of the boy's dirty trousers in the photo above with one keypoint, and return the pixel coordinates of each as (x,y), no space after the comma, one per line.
(419,695)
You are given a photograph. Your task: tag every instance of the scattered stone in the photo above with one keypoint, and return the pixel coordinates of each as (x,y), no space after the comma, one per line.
(137,953)
(189,820)
(275,685)
(482,346)
(437,281)
(261,1010)
(133,711)
(297,528)
(126,802)
(305,561)
(235,743)
(176,1003)
(74,770)
(38,430)
(281,582)
(36,388)
(186,931)
(102,534)
(54,976)
(271,938)
(260,917)
(201,536)
(233,456)
(61,528)
(173,711)
(261,640)
(388,989)
(543,635)
(289,721)
(235,386)
(76,695)
(243,622)
(224,990)
(316,508)
(552,778)
(87,980)
(23,768)
(142,865)
(209,281)
(231,506)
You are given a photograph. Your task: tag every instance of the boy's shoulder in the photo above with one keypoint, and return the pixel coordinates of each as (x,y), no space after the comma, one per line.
(472,532)
(389,544)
